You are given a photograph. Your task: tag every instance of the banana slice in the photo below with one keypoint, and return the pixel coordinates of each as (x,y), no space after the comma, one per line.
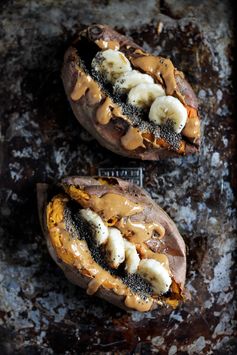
(101,230)
(131,257)
(131,79)
(111,64)
(115,248)
(168,108)
(143,95)
(156,274)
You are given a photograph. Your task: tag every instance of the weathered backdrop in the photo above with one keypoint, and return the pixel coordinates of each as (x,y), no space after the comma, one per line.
(40,312)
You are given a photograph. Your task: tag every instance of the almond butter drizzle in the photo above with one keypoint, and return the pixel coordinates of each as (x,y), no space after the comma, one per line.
(192,128)
(107,44)
(80,258)
(137,303)
(146,253)
(137,232)
(95,283)
(107,110)
(85,85)
(111,205)
(132,139)
(161,68)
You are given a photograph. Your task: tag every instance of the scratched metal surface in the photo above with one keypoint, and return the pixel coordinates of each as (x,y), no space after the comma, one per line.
(40,311)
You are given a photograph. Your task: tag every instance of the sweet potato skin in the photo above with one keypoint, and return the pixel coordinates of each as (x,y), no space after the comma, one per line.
(92,185)
(109,135)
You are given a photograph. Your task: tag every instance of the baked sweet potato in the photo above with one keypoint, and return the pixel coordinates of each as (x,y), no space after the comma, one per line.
(135,104)
(110,238)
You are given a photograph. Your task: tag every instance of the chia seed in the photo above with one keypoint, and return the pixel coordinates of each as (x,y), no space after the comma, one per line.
(138,285)
(167,132)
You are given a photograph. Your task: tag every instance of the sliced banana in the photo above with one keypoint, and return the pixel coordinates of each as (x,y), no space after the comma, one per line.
(143,95)
(131,257)
(111,64)
(115,248)
(131,79)
(168,108)
(101,230)
(156,274)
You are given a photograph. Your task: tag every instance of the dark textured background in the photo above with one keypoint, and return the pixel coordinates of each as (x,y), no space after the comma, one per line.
(40,311)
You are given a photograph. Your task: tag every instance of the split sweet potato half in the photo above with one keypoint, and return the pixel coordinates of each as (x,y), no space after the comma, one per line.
(110,238)
(134,103)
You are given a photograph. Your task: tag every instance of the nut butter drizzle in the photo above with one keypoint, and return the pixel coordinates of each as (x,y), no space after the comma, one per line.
(86,85)
(111,205)
(135,302)
(75,252)
(138,232)
(192,128)
(94,285)
(161,68)
(146,253)
(107,110)
(132,139)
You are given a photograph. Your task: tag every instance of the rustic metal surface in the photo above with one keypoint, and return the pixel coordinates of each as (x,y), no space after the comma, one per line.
(40,140)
